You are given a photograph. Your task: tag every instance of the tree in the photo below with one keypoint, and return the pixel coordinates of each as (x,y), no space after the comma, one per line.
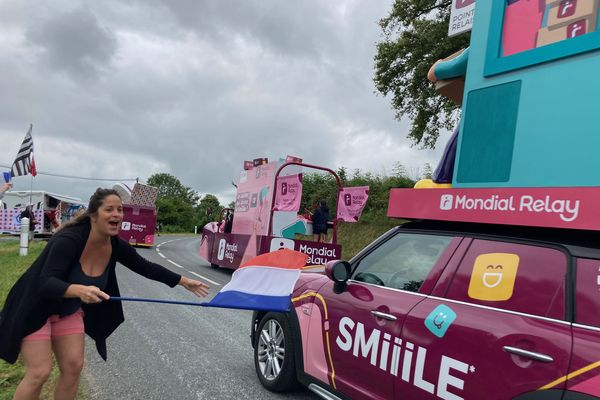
(209,209)
(175,203)
(427,171)
(415,36)
(320,186)
(175,215)
(170,187)
(343,174)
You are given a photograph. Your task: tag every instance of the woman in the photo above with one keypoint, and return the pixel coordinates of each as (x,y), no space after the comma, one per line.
(64,293)
(319,221)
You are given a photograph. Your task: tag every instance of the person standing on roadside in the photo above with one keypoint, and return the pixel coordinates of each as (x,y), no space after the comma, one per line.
(320,218)
(65,293)
(28,213)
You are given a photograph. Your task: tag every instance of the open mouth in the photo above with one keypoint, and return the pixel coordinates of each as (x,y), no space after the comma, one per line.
(114,223)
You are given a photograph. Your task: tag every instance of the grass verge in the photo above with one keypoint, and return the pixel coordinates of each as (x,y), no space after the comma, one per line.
(13,267)
(353,237)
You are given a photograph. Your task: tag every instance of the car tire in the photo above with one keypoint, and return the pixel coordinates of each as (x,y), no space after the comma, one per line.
(274,359)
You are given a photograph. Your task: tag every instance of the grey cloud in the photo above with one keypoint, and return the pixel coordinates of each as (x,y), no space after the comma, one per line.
(74,42)
(286,28)
(193,88)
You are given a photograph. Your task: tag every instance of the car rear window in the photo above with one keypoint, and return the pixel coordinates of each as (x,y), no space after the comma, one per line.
(587,292)
(512,276)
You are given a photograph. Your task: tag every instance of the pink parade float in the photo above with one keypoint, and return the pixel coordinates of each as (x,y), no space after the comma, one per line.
(492,289)
(266,216)
(139,214)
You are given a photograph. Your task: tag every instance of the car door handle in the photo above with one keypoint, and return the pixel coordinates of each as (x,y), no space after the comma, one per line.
(529,354)
(379,314)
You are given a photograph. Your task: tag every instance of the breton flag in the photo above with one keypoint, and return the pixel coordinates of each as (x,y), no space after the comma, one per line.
(264,283)
(24,163)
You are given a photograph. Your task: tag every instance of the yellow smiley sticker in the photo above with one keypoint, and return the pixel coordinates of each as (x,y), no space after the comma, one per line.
(493,276)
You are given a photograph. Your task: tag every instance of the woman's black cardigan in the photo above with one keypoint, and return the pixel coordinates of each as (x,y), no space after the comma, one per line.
(39,291)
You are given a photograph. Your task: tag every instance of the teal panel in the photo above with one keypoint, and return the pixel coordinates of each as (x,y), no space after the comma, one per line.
(488,135)
(495,64)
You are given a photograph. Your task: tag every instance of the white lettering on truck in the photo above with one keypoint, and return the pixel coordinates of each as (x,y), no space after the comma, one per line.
(376,348)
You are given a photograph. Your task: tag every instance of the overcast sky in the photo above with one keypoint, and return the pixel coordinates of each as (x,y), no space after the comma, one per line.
(125,89)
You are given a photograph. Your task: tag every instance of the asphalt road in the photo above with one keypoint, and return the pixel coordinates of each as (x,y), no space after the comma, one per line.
(176,352)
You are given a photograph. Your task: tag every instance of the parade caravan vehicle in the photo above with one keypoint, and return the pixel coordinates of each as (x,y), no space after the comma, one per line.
(266,217)
(492,289)
(139,214)
(526,147)
(50,210)
(525,162)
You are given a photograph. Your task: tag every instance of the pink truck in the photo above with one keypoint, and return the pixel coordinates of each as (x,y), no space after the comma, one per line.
(139,214)
(266,217)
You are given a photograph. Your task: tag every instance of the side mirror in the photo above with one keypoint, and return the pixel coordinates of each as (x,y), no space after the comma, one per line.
(339,273)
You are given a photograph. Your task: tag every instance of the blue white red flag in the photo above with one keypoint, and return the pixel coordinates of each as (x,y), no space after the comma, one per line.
(264,283)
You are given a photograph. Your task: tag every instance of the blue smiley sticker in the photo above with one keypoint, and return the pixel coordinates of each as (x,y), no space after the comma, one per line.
(439,320)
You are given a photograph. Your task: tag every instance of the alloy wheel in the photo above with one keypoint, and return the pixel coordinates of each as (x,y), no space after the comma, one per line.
(271,349)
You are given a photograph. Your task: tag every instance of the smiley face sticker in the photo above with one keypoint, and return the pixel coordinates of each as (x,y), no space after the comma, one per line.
(439,320)
(493,276)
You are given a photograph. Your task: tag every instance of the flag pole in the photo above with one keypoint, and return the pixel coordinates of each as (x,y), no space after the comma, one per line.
(31,176)
(146,300)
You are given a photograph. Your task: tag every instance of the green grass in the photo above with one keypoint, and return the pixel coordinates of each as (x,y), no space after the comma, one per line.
(13,267)
(353,237)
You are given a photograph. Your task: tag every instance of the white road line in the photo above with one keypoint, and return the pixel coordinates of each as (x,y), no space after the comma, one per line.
(205,278)
(175,264)
(179,266)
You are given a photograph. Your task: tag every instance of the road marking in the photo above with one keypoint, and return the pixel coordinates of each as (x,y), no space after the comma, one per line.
(175,264)
(205,278)
(179,266)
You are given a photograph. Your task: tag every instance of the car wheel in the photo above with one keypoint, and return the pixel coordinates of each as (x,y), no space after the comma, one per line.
(274,353)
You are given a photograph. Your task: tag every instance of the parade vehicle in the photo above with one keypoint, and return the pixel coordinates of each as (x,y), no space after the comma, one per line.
(50,210)
(266,216)
(492,290)
(139,213)
(448,310)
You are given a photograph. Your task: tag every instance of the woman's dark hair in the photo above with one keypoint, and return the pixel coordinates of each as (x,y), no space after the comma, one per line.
(95,202)
(324,207)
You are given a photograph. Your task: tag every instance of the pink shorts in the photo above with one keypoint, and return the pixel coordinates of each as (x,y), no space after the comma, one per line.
(56,326)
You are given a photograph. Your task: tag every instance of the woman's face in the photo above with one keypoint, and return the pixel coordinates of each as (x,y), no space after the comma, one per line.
(108,218)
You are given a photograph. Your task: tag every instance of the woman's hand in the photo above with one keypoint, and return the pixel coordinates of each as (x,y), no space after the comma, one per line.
(87,294)
(200,289)
(5,187)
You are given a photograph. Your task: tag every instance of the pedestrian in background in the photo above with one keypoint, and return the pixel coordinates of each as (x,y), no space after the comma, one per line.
(66,291)
(28,213)
(320,218)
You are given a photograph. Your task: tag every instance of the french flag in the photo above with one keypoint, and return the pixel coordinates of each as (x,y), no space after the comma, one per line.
(264,283)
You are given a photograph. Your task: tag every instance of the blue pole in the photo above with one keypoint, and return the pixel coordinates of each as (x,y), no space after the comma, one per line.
(185,303)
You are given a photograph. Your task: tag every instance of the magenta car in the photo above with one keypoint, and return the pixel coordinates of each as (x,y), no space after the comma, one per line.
(442,310)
